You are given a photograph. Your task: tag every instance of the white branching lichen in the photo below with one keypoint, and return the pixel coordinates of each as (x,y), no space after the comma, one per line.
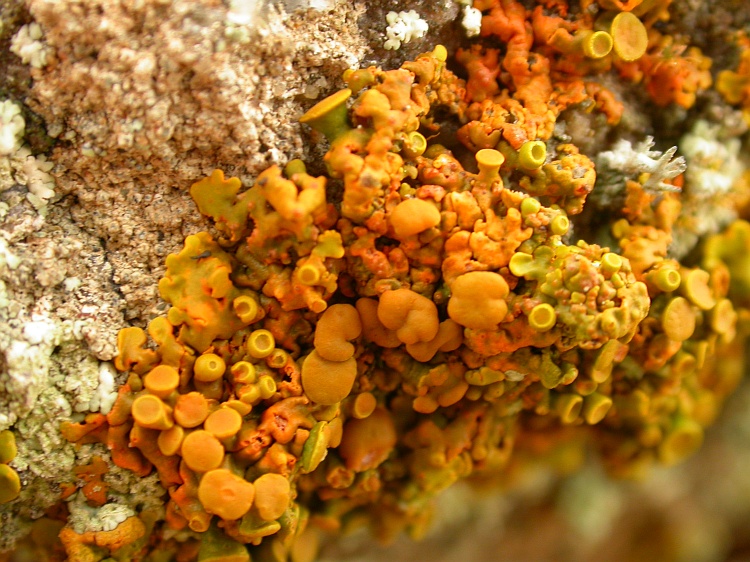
(626,161)
(402,28)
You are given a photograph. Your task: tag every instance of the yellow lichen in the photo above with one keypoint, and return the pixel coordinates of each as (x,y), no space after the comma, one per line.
(478,300)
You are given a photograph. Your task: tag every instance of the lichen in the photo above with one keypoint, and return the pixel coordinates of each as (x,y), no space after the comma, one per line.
(565,332)
(457,288)
(402,28)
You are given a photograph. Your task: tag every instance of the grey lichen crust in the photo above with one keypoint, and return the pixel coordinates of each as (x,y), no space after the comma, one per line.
(143,97)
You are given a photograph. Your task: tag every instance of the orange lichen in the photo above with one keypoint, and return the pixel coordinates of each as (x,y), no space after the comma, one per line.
(191,409)
(681,440)
(621,5)
(92,474)
(123,455)
(372,328)
(202,451)
(223,423)
(629,36)
(131,353)
(674,77)
(260,343)
(329,116)
(367,442)
(356,342)
(489,162)
(678,319)
(186,508)
(296,208)
(338,325)
(272,496)
(413,317)
(448,338)
(246,307)
(595,407)
(478,300)
(413,216)
(734,85)
(483,68)
(198,285)
(162,380)
(8,448)
(80,546)
(92,426)
(327,382)
(363,405)
(567,180)
(208,367)
(220,199)
(146,441)
(10,484)
(151,412)
(225,494)
(170,440)
(695,287)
